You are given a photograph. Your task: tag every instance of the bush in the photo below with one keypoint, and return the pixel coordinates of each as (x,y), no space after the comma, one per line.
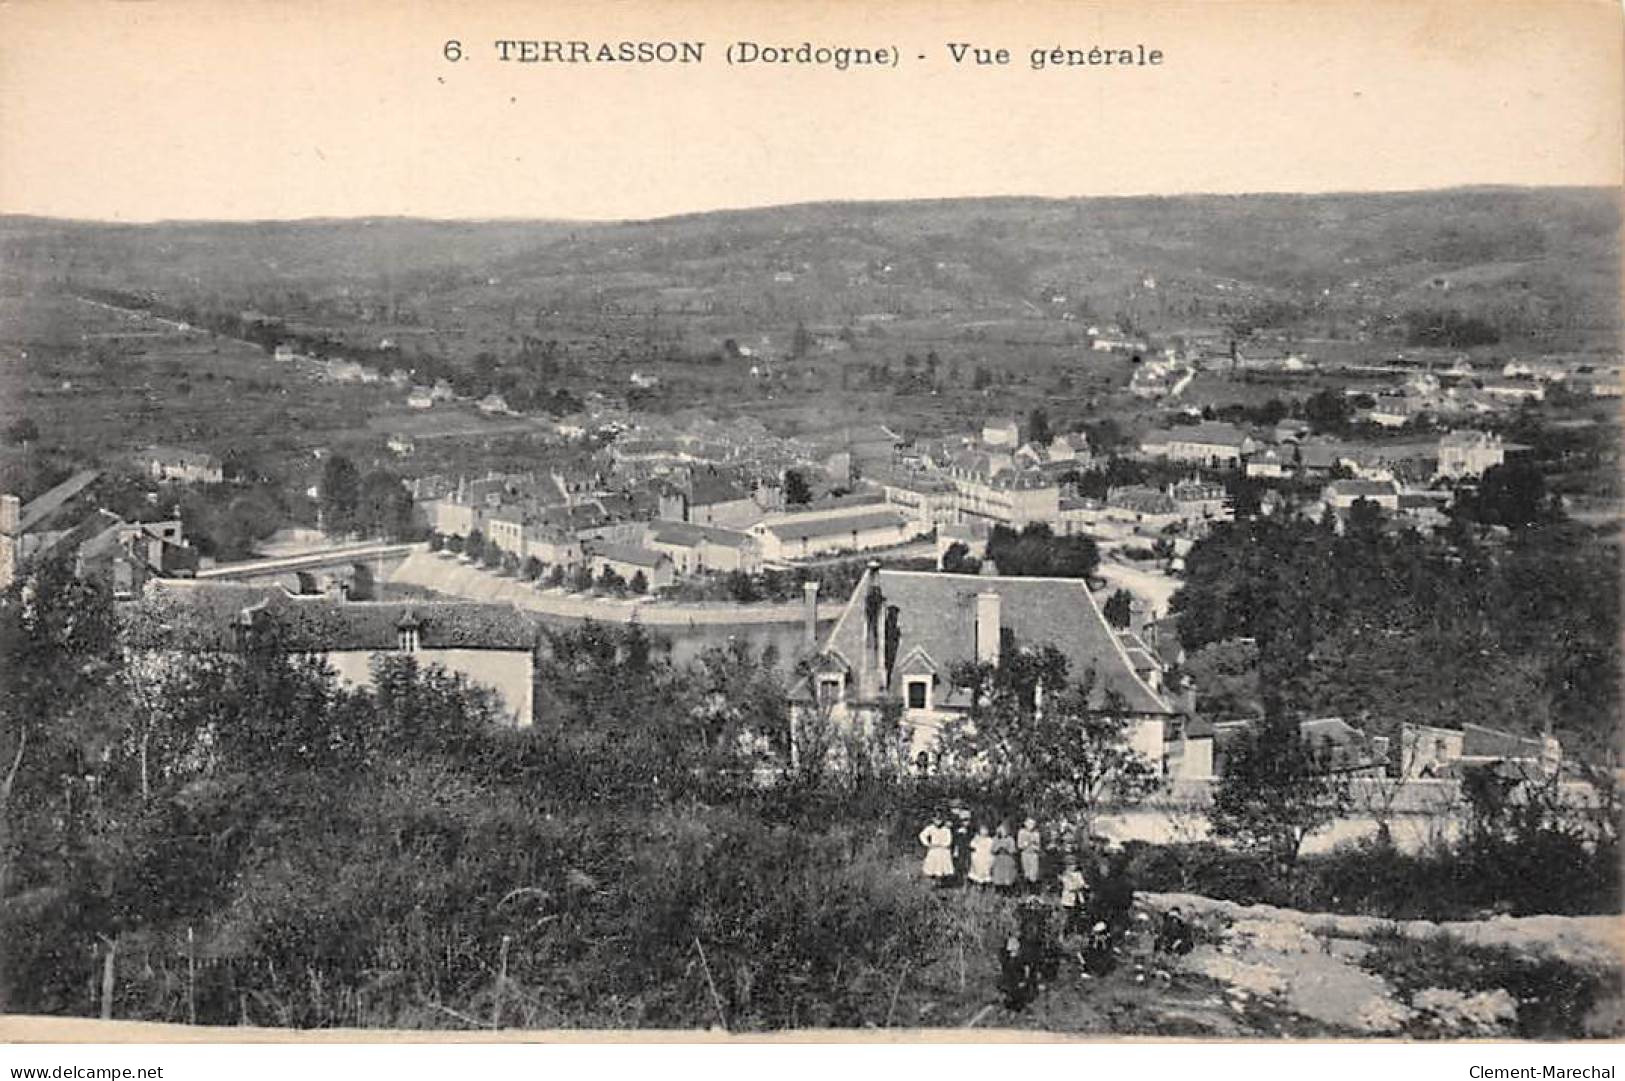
(1554,997)
(1371,878)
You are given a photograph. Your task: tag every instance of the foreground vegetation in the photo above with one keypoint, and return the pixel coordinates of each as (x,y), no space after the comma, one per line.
(239,838)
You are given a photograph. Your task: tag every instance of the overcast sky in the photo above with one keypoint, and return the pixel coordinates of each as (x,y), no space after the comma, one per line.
(160,109)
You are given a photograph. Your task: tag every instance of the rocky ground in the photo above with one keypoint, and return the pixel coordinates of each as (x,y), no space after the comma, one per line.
(1272,971)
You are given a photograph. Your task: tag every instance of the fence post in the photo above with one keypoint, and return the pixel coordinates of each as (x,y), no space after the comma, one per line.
(502,980)
(109,973)
(191,977)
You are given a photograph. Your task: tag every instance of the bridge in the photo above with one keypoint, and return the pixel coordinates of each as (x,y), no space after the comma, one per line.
(362,563)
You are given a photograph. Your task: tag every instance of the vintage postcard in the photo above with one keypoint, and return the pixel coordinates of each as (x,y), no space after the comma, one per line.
(810,521)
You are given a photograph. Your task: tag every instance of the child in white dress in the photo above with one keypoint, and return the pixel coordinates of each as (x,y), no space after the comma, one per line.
(938,840)
(981,857)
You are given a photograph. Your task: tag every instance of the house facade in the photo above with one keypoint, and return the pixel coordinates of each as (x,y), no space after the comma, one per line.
(182,466)
(939,620)
(493,646)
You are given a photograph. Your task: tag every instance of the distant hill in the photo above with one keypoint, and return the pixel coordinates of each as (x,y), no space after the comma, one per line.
(1542,263)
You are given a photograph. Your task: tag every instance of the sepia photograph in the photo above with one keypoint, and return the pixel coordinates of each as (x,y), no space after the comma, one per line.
(1058,521)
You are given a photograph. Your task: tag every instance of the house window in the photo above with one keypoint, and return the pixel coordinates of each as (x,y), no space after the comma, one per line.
(829,689)
(408,639)
(919,693)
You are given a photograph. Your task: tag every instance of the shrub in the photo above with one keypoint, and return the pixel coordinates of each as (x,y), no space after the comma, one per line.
(1554,997)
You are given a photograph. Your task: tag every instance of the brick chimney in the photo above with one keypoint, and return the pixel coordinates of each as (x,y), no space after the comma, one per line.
(809,617)
(987,627)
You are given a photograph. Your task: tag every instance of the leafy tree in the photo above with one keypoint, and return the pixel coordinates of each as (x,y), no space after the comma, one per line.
(23,430)
(1275,792)
(383,507)
(801,342)
(340,494)
(556,576)
(1037,552)
(1328,410)
(437,541)
(796,491)
(958,560)
(532,570)
(639,583)
(1512,494)
(1043,740)
(1226,678)
(58,651)
(1119,609)
(474,547)
(742,588)
(1038,429)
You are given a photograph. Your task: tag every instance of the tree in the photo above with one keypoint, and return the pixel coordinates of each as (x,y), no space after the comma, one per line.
(1327,410)
(1275,791)
(958,560)
(1047,742)
(639,583)
(474,547)
(22,431)
(1119,609)
(1036,552)
(796,491)
(1513,495)
(1225,675)
(437,541)
(801,342)
(340,494)
(58,651)
(383,506)
(742,588)
(532,569)
(1038,430)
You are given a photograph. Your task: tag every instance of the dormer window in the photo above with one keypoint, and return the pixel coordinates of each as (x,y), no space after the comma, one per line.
(829,689)
(408,637)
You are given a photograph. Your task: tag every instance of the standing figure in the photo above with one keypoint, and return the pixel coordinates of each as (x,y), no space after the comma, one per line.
(1113,897)
(1004,858)
(1073,899)
(962,836)
(1017,980)
(1031,845)
(981,858)
(939,860)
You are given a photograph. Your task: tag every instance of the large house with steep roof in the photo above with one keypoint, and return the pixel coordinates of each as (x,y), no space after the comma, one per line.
(944,619)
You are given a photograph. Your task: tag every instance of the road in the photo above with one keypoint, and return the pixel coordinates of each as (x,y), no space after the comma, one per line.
(1151,586)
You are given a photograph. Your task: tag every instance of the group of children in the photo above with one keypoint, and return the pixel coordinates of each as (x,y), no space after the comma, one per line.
(1095,895)
(999,859)
(1010,862)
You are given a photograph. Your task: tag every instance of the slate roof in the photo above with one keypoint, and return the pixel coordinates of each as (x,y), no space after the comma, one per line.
(847,523)
(631,554)
(1210,433)
(706,490)
(48,503)
(690,535)
(203,616)
(937,616)
(1363,489)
